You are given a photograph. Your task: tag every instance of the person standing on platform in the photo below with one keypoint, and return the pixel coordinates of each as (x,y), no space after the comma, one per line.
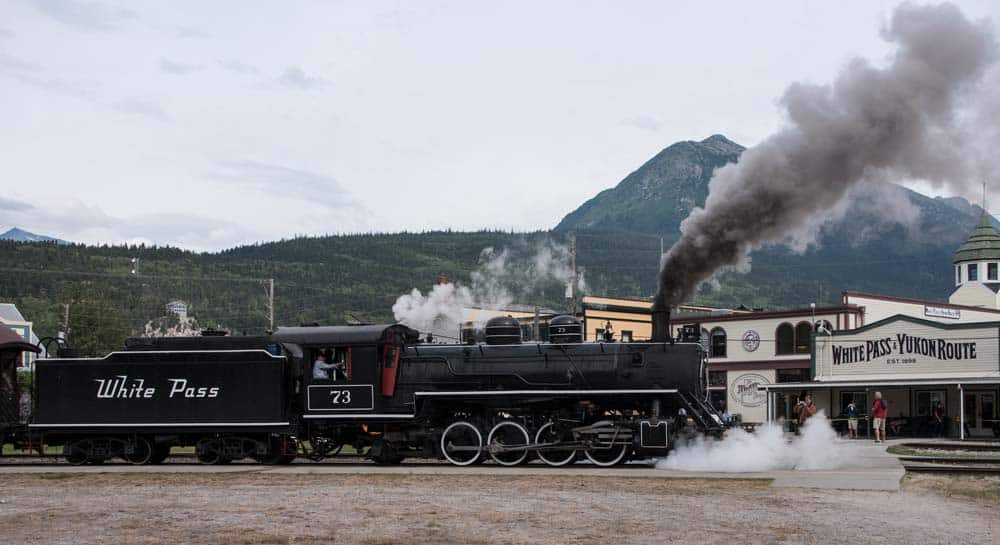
(852,420)
(937,417)
(805,410)
(879,413)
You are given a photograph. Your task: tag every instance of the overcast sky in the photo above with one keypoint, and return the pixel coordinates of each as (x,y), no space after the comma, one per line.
(211,124)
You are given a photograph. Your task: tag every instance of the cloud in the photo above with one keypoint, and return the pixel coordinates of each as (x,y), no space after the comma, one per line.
(141,107)
(10,63)
(177,68)
(297,78)
(31,74)
(5,33)
(55,85)
(76,221)
(239,67)
(643,122)
(91,16)
(13,205)
(282,181)
(189,32)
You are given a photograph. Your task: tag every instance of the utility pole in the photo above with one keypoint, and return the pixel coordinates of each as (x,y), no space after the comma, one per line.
(572,236)
(65,328)
(661,247)
(270,305)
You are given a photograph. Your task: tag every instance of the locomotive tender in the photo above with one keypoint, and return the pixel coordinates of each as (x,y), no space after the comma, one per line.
(389,396)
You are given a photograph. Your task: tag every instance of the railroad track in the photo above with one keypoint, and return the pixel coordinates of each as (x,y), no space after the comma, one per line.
(972,447)
(939,464)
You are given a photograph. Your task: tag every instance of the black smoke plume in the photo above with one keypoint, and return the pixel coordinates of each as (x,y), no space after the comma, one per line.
(905,121)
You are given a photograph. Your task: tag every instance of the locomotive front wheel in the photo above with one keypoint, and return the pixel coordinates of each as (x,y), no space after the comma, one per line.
(142,452)
(607,457)
(549,434)
(462,443)
(508,434)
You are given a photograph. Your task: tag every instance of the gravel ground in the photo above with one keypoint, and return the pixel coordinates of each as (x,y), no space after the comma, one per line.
(247,509)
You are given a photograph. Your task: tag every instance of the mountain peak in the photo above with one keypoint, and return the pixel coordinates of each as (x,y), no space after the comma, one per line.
(20,235)
(721,144)
(659,194)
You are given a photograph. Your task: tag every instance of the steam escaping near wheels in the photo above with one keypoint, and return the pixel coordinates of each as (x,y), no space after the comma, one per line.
(816,447)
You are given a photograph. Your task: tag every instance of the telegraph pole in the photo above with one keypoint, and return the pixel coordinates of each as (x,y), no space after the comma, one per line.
(572,236)
(270,304)
(65,327)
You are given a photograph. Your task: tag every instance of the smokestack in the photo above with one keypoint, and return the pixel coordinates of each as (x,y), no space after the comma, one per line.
(661,325)
(925,115)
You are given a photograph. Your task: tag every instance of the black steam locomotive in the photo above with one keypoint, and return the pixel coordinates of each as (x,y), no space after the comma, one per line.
(313,390)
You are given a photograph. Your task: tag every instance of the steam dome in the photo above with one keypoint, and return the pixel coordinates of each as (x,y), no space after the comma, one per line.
(565,329)
(503,330)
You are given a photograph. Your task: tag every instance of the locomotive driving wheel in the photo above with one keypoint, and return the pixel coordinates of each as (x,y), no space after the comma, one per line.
(553,433)
(462,443)
(607,455)
(508,435)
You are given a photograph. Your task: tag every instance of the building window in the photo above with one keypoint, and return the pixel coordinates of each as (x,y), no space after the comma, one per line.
(704,339)
(803,338)
(927,399)
(860,400)
(991,271)
(792,375)
(826,325)
(784,339)
(626,335)
(958,274)
(973,272)
(718,349)
(717,379)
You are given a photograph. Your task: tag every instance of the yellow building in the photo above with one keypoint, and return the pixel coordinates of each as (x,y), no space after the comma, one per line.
(630,319)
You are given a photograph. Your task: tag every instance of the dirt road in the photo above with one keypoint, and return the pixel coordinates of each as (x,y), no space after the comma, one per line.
(246,509)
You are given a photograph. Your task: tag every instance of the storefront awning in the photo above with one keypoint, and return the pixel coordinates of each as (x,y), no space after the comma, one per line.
(903,383)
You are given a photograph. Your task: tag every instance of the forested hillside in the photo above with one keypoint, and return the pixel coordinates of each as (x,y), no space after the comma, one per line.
(340,279)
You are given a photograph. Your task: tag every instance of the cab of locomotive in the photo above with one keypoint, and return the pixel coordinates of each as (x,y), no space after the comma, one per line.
(345,368)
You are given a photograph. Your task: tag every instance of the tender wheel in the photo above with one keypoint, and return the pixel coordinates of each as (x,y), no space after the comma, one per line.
(548,434)
(508,434)
(461,443)
(160,453)
(607,457)
(209,451)
(142,452)
(75,453)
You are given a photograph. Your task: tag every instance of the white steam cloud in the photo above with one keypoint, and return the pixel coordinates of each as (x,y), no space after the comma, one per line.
(817,447)
(510,274)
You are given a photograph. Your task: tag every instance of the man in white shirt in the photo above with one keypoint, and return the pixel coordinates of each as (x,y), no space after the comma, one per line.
(322,370)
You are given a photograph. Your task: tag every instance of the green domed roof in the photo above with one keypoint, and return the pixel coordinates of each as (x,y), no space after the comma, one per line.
(984,243)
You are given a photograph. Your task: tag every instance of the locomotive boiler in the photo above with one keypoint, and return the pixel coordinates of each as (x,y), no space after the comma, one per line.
(379,390)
